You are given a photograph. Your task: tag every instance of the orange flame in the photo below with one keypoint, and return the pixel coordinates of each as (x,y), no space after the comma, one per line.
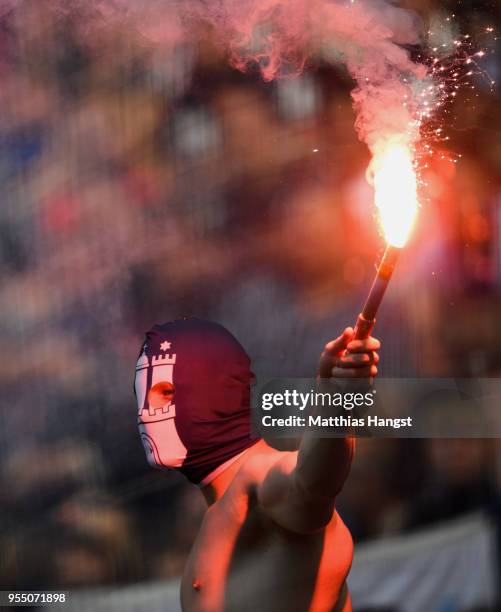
(395,186)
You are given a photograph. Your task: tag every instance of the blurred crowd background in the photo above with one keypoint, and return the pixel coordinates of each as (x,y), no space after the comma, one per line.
(141,183)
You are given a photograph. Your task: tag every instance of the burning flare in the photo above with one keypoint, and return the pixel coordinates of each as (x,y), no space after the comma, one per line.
(395,188)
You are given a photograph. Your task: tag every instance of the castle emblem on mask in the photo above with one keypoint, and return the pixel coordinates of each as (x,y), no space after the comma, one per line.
(154,387)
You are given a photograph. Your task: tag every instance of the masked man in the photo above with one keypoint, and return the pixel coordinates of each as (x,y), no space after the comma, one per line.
(271,539)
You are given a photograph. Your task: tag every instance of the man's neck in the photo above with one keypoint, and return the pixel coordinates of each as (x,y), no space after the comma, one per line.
(217,488)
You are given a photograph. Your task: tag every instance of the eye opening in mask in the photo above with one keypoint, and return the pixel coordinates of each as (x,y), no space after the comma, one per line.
(161,394)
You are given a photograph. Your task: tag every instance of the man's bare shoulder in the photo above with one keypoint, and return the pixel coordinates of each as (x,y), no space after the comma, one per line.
(248,482)
(261,465)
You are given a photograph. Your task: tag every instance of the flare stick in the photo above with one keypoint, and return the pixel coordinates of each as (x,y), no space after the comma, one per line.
(367,318)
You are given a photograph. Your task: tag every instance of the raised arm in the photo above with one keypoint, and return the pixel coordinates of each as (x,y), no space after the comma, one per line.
(299,492)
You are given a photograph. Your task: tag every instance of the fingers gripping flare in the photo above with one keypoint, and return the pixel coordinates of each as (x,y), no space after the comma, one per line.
(332,351)
(346,357)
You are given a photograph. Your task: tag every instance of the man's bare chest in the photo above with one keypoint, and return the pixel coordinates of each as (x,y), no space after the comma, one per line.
(253,564)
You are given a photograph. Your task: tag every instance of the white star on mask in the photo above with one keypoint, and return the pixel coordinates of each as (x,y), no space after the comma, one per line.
(165,346)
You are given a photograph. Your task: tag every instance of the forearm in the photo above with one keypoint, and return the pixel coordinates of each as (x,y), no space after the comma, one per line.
(323,465)
(299,492)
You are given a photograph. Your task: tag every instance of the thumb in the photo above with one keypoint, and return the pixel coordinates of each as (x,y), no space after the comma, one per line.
(333,349)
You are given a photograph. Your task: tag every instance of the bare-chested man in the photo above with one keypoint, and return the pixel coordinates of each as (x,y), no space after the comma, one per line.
(271,539)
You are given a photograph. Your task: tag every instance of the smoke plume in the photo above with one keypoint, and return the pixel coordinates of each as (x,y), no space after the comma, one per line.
(278,36)
(369,37)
